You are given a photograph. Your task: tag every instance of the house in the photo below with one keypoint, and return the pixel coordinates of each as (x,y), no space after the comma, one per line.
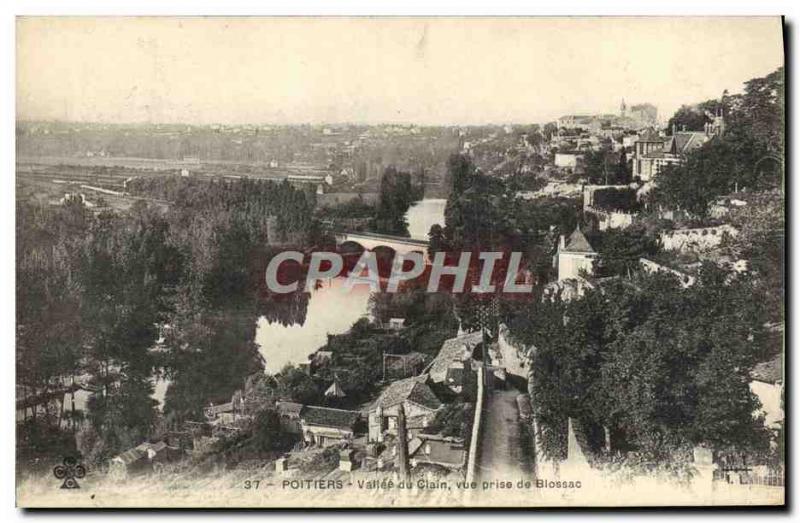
(647,149)
(226,413)
(584,122)
(652,152)
(324,426)
(289,413)
(144,457)
(453,350)
(575,256)
(429,449)
(419,403)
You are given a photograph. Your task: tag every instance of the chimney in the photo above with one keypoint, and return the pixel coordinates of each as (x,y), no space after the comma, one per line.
(674,127)
(562,242)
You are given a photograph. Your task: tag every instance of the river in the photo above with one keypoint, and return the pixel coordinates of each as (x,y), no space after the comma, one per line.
(331,308)
(423,214)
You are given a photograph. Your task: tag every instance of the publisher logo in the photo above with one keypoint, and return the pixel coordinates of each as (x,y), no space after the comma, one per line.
(69,471)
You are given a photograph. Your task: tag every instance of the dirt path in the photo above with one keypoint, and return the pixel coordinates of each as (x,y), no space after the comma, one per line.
(502,454)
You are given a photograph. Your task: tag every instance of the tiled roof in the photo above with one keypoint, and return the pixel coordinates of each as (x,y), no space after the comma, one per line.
(131,456)
(423,396)
(454,349)
(437,450)
(289,408)
(323,416)
(577,242)
(686,141)
(411,389)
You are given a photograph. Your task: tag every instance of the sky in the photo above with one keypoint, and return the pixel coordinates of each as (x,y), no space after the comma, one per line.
(427,71)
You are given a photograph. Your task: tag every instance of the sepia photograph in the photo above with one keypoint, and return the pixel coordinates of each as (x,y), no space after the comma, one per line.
(430,262)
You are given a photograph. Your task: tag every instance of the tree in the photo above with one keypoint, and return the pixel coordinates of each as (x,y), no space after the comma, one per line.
(659,366)
(268,434)
(395,197)
(688,118)
(621,249)
(295,385)
(460,173)
(748,155)
(623,172)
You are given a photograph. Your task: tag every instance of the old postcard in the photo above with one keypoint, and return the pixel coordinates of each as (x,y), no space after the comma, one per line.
(399,262)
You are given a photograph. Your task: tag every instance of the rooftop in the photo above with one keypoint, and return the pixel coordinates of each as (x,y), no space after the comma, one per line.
(410,389)
(219,409)
(289,408)
(327,417)
(454,349)
(577,242)
(437,450)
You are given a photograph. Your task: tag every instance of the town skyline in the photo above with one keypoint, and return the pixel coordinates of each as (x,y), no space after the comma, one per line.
(418,72)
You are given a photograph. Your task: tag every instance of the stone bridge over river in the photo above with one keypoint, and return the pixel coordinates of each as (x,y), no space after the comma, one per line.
(376,242)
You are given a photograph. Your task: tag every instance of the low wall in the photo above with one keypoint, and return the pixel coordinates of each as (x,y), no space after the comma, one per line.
(474,443)
(696,240)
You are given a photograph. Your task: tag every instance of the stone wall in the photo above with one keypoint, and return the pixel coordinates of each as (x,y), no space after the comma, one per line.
(696,240)
(475,439)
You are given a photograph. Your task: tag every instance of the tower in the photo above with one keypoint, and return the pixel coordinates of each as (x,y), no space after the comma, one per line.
(622,108)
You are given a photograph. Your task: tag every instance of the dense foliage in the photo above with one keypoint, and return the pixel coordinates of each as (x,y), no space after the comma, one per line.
(95,294)
(661,368)
(749,155)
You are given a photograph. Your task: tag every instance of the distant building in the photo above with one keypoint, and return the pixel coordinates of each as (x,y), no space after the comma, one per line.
(397,323)
(652,152)
(567,160)
(646,114)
